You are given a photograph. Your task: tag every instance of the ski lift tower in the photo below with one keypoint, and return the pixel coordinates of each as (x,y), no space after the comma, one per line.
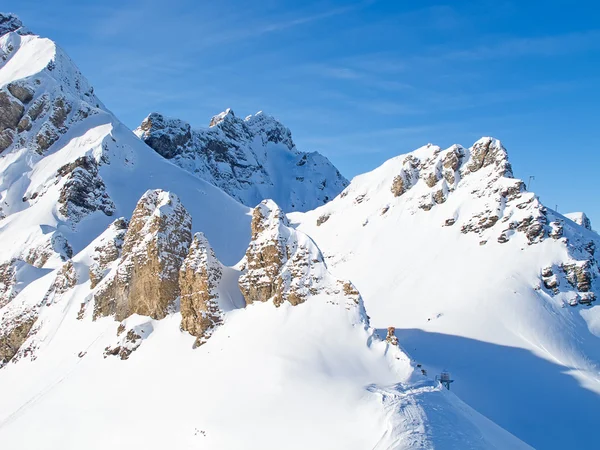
(444,379)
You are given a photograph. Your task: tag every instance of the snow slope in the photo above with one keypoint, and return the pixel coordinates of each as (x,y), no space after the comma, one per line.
(307,376)
(313,375)
(478,278)
(31,183)
(250,159)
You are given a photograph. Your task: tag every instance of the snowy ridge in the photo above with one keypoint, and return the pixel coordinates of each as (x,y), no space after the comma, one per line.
(96,312)
(466,263)
(250,159)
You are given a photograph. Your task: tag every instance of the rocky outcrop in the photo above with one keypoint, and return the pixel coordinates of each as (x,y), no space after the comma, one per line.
(280,264)
(265,255)
(391,336)
(129,338)
(250,159)
(168,137)
(8,282)
(11,111)
(107,250)
(199,279)
(146,279)
(55,246)
(66,279)
(84,191)
(10,23)
(489,151)
(14,331)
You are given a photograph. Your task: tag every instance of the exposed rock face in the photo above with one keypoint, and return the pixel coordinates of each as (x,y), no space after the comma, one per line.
(8,281)
(199,278)
(250,159)
(146,279)
(488,151)
(129,339)
(84,191)
(14,331)
(281,264)
(168,137)
(265,255)
(107,251)
(36,110)
(391,336)
(56,246)
(11,111)
(432,175)
(9,23)
(66,279)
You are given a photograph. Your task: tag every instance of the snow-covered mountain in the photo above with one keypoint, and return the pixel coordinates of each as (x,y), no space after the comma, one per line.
(142,306)
(251,159)
(480,278)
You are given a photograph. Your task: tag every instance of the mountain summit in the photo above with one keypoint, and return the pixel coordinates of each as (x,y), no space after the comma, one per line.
(250,159)
(143,305)
(479,277)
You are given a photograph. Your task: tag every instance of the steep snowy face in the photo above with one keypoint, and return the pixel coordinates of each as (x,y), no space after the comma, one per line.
(308,363)
(580,219)
(68,166)
(250,159)
(478,277)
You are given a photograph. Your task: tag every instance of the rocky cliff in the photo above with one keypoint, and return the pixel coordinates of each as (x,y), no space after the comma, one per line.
(250,159)
(199,278)
(146,279)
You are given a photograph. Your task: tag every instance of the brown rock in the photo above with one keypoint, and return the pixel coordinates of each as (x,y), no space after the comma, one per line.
(8,281)
(107,251)
(13,333)
(23,93)
(391,336)
(146,281)
(322,219)
(399,184)
(199,278)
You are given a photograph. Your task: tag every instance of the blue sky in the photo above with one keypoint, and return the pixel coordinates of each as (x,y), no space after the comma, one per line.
(359,81)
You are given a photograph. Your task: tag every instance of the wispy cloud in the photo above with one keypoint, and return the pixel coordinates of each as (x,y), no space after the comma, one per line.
(523,46)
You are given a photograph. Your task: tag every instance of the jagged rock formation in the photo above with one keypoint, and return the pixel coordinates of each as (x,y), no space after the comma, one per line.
(504,199)
(54,246)
(107,250)
(15,327)
(129,339)
(282,264)
(84,191)
(250,159)
(199,278)
(146,279)
(391,337)
(37,110)
(66,278)
(8,281)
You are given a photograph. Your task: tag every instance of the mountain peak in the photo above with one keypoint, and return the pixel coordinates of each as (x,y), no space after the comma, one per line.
(251,159)
(580,218)
(10,22)
(227,114)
